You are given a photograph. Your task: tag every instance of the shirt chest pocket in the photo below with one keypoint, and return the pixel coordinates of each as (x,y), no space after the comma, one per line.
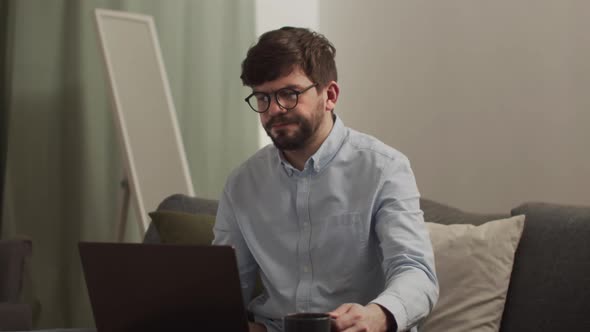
(341,231)
(341,246)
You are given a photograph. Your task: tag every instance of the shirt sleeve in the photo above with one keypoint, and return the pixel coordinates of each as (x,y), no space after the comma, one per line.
(408,260)
(227,232)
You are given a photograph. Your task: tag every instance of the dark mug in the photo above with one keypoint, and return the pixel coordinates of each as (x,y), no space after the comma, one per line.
(307,322)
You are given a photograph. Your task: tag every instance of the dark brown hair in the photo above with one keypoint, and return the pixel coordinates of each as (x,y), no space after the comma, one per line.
(279,52)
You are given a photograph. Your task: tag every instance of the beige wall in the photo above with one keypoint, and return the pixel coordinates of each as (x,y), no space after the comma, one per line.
(274,14)
(489,99)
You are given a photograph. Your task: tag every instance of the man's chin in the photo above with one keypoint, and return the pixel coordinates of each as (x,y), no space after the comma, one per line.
(286,144)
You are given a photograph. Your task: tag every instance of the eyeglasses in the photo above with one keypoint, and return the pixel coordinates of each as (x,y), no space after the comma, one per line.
(287,98)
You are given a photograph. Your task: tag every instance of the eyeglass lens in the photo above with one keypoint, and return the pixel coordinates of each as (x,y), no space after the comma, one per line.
(286,98)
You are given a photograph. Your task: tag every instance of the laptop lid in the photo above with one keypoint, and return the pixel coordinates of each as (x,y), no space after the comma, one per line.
(150,287)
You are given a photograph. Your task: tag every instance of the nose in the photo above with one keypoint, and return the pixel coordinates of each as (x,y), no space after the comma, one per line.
(274,108)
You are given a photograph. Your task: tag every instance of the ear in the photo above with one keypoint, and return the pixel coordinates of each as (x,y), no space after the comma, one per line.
(332,92)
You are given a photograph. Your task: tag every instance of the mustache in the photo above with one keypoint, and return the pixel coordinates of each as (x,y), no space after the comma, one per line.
(281,121)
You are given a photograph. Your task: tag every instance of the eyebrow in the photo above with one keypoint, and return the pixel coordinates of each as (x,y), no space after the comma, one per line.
(290,86)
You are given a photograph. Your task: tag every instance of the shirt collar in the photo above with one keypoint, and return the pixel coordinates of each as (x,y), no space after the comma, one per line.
(325,153)
(331,145)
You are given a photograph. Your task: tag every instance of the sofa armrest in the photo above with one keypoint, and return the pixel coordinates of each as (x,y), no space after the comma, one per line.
(549,283)
(14,256)
(15,317)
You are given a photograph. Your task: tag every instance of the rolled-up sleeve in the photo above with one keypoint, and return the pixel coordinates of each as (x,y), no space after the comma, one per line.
(408,260)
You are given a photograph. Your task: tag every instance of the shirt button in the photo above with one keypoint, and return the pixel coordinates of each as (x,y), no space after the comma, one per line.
(306,268)
(306,224)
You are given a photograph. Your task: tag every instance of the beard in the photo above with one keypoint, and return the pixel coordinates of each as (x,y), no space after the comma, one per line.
(286,141)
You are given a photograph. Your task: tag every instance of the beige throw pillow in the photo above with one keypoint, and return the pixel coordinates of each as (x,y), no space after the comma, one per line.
(473,264)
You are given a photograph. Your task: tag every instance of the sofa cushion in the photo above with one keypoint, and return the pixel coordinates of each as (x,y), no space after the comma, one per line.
(183,228)
(181,203)
(550,285)
(473,265)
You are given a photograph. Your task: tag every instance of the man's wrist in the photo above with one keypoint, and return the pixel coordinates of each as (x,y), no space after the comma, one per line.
(390,323)
(256,327)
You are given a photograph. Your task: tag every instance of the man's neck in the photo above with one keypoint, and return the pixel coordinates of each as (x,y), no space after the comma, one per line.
(299,157)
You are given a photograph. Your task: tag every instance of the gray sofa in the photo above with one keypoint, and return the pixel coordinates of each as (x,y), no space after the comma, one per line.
(550,284)
(15,313)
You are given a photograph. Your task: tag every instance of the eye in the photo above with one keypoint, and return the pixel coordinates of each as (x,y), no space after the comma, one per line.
(287,94)
(261,97)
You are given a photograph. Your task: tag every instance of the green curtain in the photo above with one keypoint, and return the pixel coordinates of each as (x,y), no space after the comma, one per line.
(4,94)
(64,163)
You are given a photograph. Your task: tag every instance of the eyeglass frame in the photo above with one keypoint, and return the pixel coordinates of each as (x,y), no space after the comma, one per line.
(275,93)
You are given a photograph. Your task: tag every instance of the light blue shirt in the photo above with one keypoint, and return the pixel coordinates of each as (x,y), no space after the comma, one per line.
(348,228)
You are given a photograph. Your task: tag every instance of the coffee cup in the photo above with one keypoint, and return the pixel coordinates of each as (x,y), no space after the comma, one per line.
(307,322)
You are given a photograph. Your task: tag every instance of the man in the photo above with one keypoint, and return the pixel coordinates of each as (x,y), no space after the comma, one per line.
(328,217)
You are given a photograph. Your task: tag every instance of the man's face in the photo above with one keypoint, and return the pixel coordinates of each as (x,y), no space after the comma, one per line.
(292,129)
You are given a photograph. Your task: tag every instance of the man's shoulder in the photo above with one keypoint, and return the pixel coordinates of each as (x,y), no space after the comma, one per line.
(368,144)
(255,163)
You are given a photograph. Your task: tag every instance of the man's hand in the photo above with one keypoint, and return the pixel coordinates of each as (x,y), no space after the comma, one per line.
(355,317)
(256,327)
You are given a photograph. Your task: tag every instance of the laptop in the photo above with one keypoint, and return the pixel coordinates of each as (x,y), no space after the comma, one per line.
(137,287)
